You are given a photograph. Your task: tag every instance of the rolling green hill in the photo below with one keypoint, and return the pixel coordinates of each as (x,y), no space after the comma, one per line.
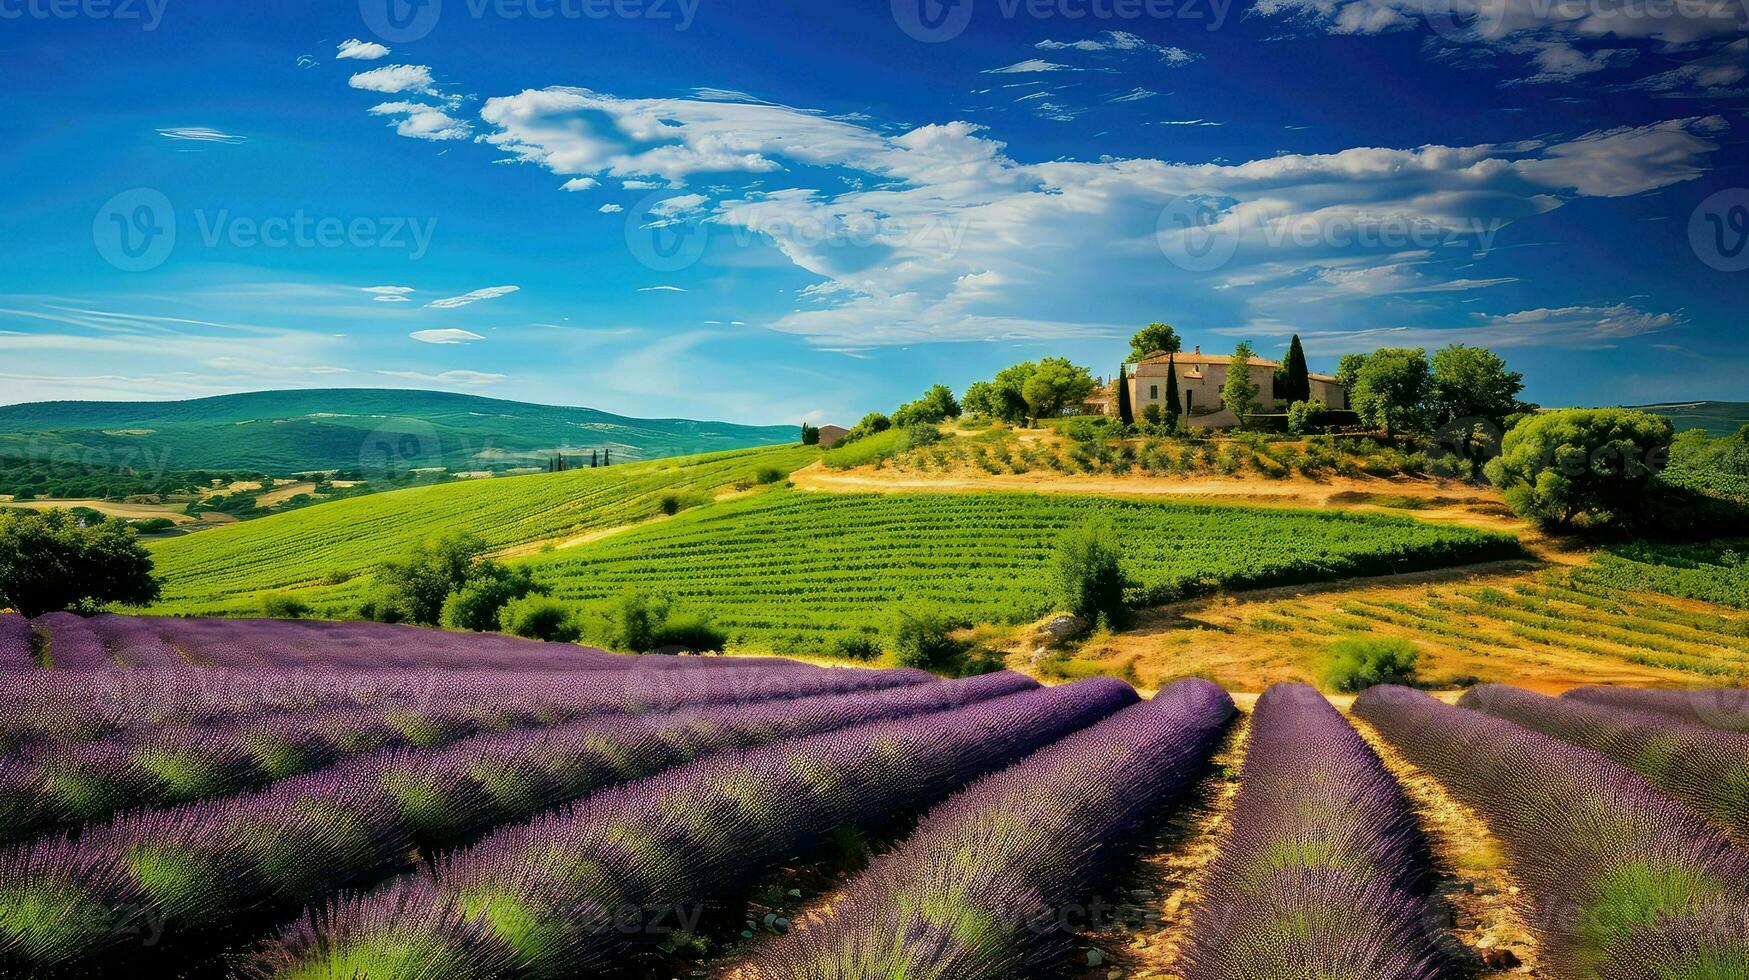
(1718,418)
(227,569)
(369,430)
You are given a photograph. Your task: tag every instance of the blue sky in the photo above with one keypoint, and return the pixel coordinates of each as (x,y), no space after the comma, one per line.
(777,211)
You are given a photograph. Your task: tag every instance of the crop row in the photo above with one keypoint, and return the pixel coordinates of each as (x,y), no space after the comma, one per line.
(1702,767)
(1323,872)
(224,569)
(553,898)
(1621,880)
(206,869)
(788,570)
(1724,708)
(987,886)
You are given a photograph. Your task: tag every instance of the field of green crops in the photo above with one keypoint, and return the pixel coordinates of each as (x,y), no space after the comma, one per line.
(789,571)
(227,569)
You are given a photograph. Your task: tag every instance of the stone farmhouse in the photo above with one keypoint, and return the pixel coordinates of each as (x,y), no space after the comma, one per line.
(1200,377)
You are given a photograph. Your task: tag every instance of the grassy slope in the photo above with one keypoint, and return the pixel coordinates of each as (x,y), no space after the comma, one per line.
(1718,418)
(788,571)
(226,569)
(288,431)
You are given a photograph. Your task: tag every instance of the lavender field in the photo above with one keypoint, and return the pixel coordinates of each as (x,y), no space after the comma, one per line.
(217,798)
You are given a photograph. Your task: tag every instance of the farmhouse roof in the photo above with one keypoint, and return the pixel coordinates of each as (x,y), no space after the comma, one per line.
(1201,358)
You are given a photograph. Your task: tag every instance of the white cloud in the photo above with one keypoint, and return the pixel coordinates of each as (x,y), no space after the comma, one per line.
(445,336)
(388,290)
(357,50)
(580,184)
(200,134)
(1028,67)
(466,378)
(951,239)
(611,209)
(1134,95)
(467,299)
(1715,74)
(661,289)
(1123,41)
(396,79)
(422,121)
(391,299)
(1571,327)
(1560,61)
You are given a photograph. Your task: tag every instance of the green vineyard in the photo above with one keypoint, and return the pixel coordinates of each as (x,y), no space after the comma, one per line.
(790,571)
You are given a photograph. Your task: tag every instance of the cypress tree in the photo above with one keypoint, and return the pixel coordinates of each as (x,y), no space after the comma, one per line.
(1298,385)
(592,460)
(1174,407)
(607,457)
(1125,413)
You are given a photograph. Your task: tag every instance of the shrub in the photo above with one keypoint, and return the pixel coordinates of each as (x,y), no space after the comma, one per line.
(278,605)
(925,640)
(1090,577)
(1357,663)
(693,631)
(540,617)
(768,474)
(637,619)
(476,605)
(339,576)
(49,561)
(1303,417)
(857,647)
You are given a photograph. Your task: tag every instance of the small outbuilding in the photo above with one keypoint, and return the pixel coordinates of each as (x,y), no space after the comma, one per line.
(830,435)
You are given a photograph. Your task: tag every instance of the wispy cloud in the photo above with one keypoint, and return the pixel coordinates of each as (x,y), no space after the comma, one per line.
(468,299)
(466,378)
(1123,42)
(424,122)
(1029,66)
(396,79)
(448,335)
(661,289)
(201,134)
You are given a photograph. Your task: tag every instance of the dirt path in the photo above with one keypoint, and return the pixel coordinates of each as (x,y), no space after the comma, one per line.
(1487,928)
(1154,904)
(173,512)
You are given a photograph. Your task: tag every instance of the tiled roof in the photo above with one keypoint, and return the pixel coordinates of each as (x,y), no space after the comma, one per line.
(1205,359)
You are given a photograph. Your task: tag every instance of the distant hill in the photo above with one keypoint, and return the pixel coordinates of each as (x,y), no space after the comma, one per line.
(1718,418)
(364,429)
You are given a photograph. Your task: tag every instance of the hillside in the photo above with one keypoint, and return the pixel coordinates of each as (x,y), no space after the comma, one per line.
(363,429)
(227,568)
(1718,418)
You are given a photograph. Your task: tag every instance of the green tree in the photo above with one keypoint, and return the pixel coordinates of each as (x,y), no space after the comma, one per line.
(1238,391)
(1055,385)
(1293,382)
(923,639)
(1472,382)
(936,405)
(810,435)
(1174,403)
(1153,339)
(1471,396)
(1348,370)
(1125,413)
(1594,467)
(983,399)
(1009,385)
(1089,574)
(49,561)
(487,590)
(414,590)
(873,423)
(1390,389)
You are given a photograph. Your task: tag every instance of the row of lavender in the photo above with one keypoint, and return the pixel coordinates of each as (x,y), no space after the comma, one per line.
(1622,880)
(63,641)
(229,866)
(90,765)
(570,894)
(991,881)
(1324,871)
